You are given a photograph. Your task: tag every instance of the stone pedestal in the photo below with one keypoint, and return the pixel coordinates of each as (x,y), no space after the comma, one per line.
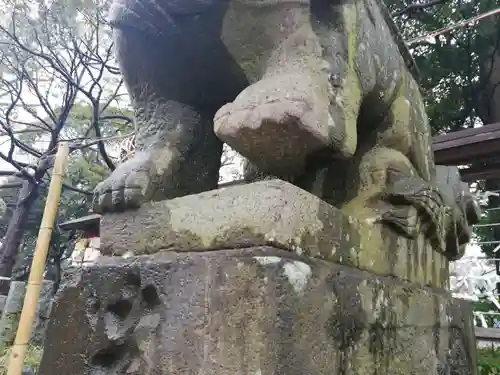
(258,279)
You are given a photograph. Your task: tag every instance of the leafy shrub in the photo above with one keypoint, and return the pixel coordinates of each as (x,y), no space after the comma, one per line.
(33,358)
(488,361)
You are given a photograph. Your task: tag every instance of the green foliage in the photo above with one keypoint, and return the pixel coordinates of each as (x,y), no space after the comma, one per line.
(450,65)
(485,305)
(488,361)
(32,359)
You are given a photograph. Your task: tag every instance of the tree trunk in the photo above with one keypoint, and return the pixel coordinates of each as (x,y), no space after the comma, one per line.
(15,231)
(488,92)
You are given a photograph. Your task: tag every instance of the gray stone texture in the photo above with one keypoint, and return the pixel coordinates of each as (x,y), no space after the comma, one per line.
(28,371)
(278,214)
(3,299)
(267,278)
(258,310)
(319,93)
(283,83)
(13,308)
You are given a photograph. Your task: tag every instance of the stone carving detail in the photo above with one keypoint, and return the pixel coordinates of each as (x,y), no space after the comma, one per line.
(445,212)
(320,93)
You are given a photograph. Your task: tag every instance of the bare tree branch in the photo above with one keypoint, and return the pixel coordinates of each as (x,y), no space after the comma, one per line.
(54,70)
(79,146)
(418,7)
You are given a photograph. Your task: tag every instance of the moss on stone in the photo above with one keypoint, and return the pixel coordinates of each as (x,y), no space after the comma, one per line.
(246,236)
(32,359)
(9,322)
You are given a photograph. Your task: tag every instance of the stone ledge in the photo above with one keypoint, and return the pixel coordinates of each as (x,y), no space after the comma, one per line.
(250,311)
(273,213)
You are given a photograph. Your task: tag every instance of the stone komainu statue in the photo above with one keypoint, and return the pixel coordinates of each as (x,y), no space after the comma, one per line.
(318,92)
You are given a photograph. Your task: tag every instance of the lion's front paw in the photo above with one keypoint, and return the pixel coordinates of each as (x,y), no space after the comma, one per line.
(277,122)
(127,187)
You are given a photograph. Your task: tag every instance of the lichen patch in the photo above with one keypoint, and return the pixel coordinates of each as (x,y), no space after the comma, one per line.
(298,274)
(267,260)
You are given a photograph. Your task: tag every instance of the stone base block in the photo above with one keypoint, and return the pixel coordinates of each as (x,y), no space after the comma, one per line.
(272,213)
(253,311)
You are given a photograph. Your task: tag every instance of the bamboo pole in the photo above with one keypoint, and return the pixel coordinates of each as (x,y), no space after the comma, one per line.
(19,349)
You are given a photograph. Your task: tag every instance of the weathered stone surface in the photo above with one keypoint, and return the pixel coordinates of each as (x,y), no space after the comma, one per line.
(292,86)
(279,134)
(27,371)
(274,213)
(3,208)
(3,299)
(313,93)
(468,212)
(252,311)
(13,308)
